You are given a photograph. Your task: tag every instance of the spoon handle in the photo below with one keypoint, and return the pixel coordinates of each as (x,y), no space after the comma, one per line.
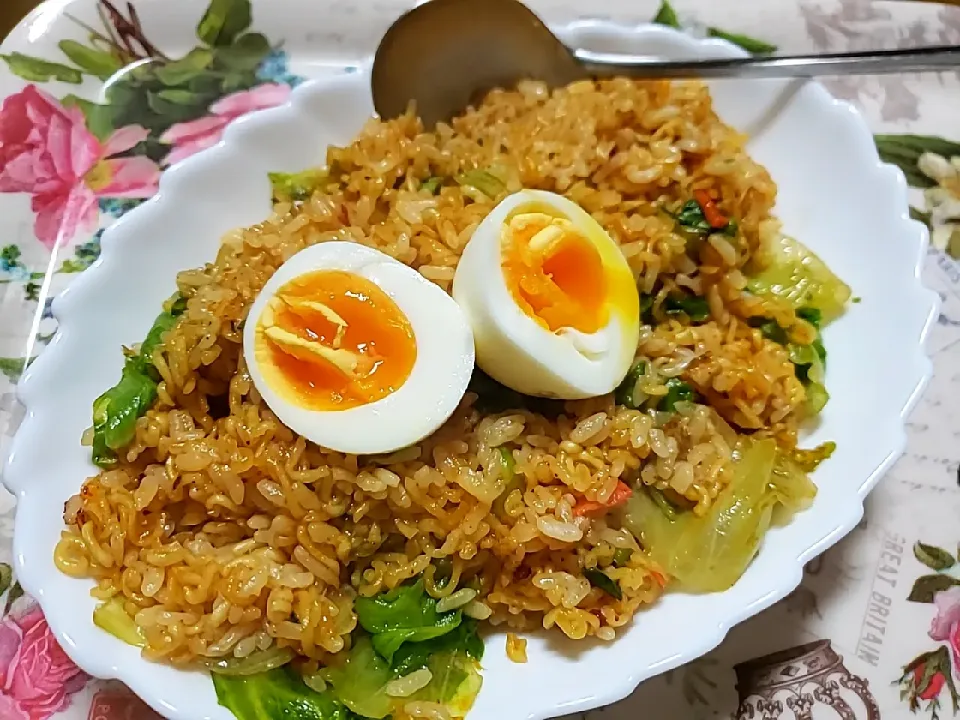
(874,62)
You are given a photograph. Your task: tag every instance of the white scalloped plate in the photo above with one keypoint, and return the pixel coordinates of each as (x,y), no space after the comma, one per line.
(835,195)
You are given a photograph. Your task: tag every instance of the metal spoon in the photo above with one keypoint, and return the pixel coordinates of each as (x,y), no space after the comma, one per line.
(445,53)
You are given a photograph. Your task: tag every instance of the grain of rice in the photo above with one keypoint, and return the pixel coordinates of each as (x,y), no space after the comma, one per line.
(456,599)
(477,610)
(409,684)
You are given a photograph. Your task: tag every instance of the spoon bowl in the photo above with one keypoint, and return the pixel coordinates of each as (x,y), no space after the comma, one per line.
(445,54)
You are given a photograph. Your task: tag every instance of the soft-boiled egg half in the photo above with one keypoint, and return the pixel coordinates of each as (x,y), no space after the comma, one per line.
(356,351)
(552,302)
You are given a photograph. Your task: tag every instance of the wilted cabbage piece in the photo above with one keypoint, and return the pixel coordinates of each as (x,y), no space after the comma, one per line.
(800,278)
(401,633)
(278,693)
(710,552)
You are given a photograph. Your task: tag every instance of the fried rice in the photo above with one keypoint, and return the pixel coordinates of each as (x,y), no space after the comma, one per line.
(224,533)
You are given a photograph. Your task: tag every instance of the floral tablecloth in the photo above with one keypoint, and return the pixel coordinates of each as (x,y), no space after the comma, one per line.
(874,629)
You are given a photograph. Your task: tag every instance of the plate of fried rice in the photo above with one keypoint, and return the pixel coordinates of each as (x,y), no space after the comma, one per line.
(495,419)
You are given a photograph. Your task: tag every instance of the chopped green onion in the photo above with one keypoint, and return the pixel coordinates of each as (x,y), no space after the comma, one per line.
(820,349)
(432,184)
(662,502)
(512,481)
(677,391)
(600,579)
(694,307)
(443,571)
(646,309)
(484,181)
(621,557)
(770,329)
(817,397)
(625,394)
(293,187)
(692,218)
(812,315)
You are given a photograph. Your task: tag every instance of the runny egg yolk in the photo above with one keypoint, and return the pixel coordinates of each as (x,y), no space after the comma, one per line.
(332,340)
(555,274)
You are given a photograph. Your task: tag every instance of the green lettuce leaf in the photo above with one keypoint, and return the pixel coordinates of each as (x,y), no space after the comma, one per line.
(405,614)
(116,411)
(710,553)
(359,682)
(464,640)
(278,695)
(455,683)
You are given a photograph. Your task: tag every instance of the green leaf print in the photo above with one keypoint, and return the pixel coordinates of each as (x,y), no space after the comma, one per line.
(224,21)
(31,291)
(751,45)
(905,150)
(666,15)
(160,95)
(246,53)
(37,70)
(10,258)
(97,116)
(13,367)
(933,557)
(98,63)
(6,577)
(927,586)
(16,592)
(178,97)
(182,71)
(920,216)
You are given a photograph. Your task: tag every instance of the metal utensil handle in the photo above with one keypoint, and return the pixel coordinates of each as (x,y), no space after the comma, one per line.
(876,62)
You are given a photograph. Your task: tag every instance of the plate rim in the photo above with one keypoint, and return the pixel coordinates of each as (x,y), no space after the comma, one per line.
(910,230)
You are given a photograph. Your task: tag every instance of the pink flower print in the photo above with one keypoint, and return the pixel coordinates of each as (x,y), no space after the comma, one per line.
(37,678)
(47,151)
(946,625)
(189,138)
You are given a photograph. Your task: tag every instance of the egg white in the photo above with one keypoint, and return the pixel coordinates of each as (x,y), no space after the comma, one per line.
(437,382)
(512,347)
